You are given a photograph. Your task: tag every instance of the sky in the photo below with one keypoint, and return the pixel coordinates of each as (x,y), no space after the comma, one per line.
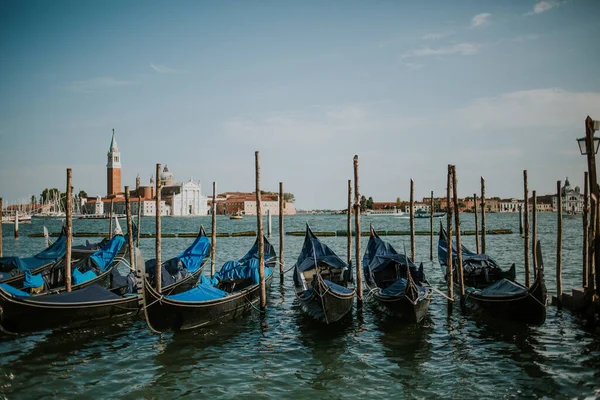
(493,87)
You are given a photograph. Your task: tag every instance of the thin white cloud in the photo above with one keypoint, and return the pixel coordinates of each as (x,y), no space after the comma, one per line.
(543,6)
(480,20)
(163,69)
(463,49)
(97,84)
(437,35)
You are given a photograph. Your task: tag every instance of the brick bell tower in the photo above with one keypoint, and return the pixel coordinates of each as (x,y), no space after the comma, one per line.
(113,169)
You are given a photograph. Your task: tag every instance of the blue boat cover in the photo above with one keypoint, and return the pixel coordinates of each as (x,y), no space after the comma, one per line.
(269,251)
(90,293)
(33,281)
(202,292)
(233,270)
(337,288)
(470,260)
(79,277)
(501,288)
(50,254)
(193,256)
(107,253)
(397,289)
(14,291)
(313,250)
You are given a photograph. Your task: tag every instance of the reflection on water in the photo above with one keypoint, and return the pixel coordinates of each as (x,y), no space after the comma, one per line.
(283,354)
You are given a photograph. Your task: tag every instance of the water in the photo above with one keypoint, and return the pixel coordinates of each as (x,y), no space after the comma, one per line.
(285,355)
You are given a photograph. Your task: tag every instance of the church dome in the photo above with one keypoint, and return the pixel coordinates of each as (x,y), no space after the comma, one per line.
(166,177)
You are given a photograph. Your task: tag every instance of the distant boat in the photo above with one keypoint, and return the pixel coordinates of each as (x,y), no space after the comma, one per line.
(100,216)
(385,213)
(425,214)
(237,215)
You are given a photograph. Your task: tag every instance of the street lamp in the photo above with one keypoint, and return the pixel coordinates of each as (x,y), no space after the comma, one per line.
(581,141)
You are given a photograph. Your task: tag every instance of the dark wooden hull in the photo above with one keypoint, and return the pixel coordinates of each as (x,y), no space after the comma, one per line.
(18,316)
(529,307)
(184,284)
(325,304)
(400,307)
(163,314)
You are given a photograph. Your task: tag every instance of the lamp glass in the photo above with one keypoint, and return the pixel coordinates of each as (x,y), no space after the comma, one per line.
(581,143)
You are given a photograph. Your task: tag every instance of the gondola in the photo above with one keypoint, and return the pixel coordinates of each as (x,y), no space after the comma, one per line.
(391,287)
(181,273)
(496,292)
(321,281)
(13,268)
(23,313)
(228,294)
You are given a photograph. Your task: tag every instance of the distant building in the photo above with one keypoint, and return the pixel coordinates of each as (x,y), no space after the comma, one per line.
(510,205)
(230,203)
(572,199)
(113,169)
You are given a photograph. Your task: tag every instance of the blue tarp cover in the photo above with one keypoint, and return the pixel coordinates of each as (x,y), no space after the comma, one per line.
(90,293)
(397,289)
(79,277)
(337,288)
(50,254)
(33,281)
(193,256)
(11,290)
(503,287)
(104,256)
(470,260)
(312,250)
(202,292)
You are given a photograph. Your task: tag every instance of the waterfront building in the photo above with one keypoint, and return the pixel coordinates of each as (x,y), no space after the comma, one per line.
(230,203)
(510,205)
(572,198)
(113,169)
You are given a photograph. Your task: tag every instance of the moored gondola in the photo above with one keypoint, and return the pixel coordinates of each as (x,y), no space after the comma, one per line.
(93,304)
(232,292)
(494,291)
(182,272)
(396,285)
(321,279)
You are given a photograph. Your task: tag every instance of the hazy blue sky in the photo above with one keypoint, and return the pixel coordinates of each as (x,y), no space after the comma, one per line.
(494,87)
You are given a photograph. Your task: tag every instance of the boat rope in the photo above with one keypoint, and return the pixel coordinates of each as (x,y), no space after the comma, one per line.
(254,307)
(442,294)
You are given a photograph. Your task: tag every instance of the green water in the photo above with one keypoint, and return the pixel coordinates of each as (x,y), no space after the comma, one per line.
(284,355)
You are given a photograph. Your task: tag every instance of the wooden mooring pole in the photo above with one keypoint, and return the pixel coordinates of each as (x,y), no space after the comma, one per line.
(213,233)
(476,227)
(534,232)
(449,272)
(16,225)
(269,223)
(261,240)
(359,289)
(586,210)
(139,221)
(281,233)
(349,223)
(526,228)
(110,219)
(520,219)
(412,221)
(459,265)
(431,228)
(559,247)
(158,230)
(129,230)
(483,226)
(69,212)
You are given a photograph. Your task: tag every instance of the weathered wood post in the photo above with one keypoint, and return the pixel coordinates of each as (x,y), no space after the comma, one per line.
(1,214)
(110,219)
(585,229)
(520,220)
(449,273)
(593,257)
(359,288)
(16,225)
(526,227)
(261,242)
(158,230)
(281,214)
(213,233)
(139,219)
(269,222)
(412,220)
(129,229)
(591,246)
(534,232)
(459,265)
(431,228)
(476,227)
(559,247)
(349,223)
(483,226)
(69,214)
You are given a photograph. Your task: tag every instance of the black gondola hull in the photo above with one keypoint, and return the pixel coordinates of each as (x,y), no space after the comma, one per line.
(325,304)
(19,316)
(163,314)
(401,307)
